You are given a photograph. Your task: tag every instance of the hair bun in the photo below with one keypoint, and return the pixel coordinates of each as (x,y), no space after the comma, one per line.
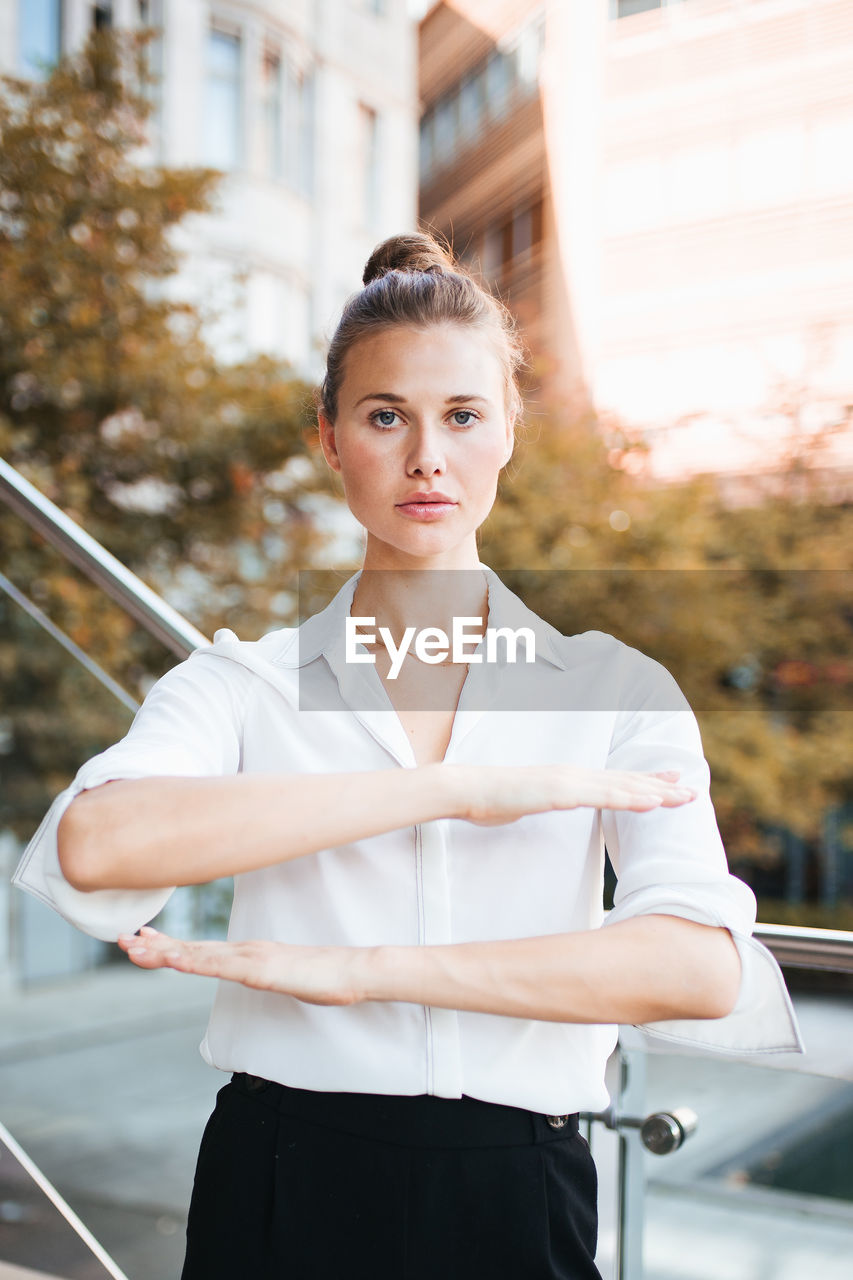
(412,252)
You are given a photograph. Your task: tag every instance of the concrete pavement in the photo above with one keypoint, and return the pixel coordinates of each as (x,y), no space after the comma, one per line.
(102,1084)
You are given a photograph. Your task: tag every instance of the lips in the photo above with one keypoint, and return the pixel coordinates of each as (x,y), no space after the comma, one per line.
(427,506)
(420,498)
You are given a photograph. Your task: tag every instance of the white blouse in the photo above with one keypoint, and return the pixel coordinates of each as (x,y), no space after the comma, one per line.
(291,702)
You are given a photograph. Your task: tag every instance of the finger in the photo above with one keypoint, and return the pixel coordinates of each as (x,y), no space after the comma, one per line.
(640,794)
(655,784)
(147,950)
(683,796)
(146,938)
(642,801)
(638,802)
(655,800)
(145,958)
(211,960)
(662,783)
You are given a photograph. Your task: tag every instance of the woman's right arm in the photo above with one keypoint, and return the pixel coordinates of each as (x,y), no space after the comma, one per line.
(160,831)
(154,832)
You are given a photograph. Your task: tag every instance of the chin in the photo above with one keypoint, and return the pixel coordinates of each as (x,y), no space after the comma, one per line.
(426,544)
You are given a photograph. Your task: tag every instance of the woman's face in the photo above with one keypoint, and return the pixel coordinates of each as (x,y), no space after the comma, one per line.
(421,435)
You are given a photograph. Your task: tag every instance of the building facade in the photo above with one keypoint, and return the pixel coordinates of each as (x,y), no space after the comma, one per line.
(698,156)
(484,171)
(308,108)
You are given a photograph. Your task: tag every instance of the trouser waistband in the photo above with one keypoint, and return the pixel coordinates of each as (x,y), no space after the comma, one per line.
(417,1120)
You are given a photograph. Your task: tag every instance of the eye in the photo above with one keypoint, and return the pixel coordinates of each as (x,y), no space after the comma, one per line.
(468,414)
(383,417)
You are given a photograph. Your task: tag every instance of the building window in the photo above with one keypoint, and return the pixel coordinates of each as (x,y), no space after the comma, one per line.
(444,130)
(427,145)
(271,107)
(498,83)
(528,54)
(102,16)
(222,101)
(151,20)
(472,104)
(39,36)
(369,164)
(492,260)
(508,243)
(522,233)
(150,13)
(482,97)
(625,8)
(298,139)
(526,229)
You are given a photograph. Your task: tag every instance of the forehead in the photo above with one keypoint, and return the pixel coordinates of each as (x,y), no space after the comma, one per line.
(445,360)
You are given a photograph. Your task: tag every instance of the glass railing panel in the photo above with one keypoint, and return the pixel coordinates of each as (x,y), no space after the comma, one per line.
(41,1237)
(763,1187)
(102,1084)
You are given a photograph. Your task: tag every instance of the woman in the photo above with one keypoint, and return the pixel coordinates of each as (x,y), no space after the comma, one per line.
(417,996)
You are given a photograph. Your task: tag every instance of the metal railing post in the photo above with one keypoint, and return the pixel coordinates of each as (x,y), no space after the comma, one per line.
(631,1171)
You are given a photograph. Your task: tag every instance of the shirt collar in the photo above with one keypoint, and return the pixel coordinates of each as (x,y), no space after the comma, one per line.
(320,632)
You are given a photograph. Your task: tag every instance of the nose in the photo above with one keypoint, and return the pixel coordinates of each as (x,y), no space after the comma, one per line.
(426,454)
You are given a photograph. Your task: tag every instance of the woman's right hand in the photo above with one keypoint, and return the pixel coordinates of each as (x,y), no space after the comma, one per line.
(494,795)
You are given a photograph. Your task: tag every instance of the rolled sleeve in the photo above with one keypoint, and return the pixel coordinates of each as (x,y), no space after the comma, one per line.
(672,862)
(188,726)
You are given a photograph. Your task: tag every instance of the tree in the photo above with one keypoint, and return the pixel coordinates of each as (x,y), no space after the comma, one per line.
(198,475)
(746,602)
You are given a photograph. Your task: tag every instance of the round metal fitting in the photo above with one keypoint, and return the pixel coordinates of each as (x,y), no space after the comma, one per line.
(666,1131)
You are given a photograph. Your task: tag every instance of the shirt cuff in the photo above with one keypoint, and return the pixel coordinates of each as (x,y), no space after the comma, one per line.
(102,913)
(763,1019)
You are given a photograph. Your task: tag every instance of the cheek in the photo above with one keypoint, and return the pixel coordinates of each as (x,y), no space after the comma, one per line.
(363,468)
(355,459)
(483,463)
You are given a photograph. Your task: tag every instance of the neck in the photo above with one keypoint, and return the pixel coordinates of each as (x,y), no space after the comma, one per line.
(401,590)
(401,598)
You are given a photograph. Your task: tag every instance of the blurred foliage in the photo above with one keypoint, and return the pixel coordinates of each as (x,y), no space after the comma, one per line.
(745,599)
(198,475)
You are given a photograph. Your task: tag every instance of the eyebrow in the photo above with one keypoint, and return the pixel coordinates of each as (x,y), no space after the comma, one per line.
(392,398)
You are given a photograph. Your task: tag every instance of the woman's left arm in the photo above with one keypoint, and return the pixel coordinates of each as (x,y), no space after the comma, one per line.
(646,969)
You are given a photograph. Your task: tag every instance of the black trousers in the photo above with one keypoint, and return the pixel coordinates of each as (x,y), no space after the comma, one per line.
(297,1185)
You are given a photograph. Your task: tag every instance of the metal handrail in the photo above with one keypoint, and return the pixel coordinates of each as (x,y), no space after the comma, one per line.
(157,617)
(801,948)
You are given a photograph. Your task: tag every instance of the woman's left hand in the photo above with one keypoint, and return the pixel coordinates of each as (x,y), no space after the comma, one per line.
(317,975)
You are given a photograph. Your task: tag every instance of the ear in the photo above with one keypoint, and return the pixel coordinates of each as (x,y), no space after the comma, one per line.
(327,441)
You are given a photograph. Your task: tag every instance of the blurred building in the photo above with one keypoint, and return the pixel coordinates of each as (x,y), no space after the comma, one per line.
(484,171)
(696,160)
(286,97)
